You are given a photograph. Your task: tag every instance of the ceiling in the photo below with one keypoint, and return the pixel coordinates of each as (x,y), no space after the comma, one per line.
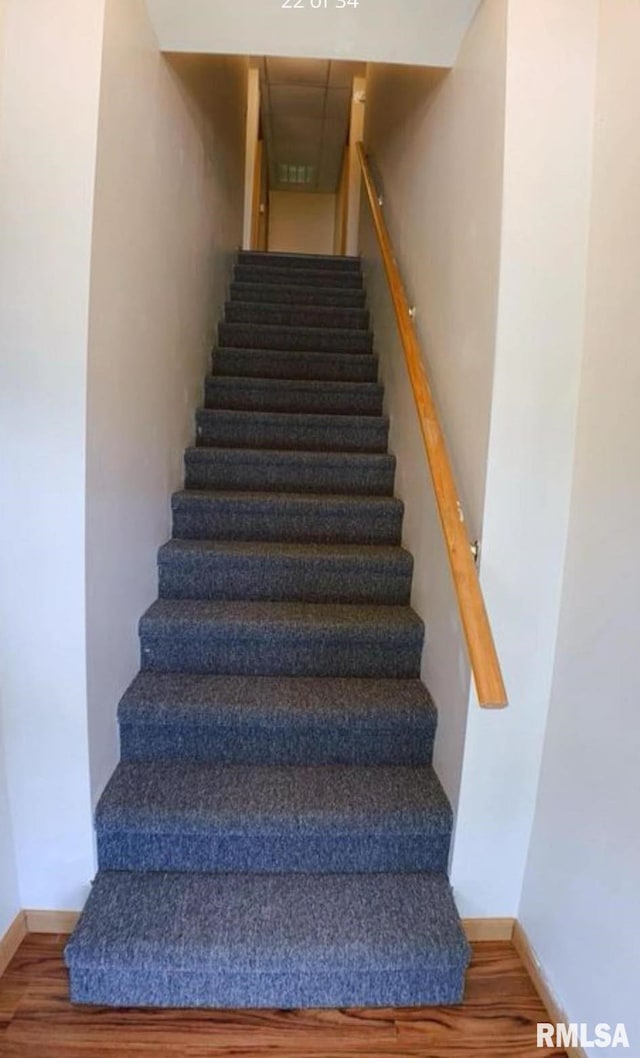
(421,32)
(305,109)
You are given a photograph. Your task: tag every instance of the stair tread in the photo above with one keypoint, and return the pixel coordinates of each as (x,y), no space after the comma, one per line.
(295,330)
(269,456)
(322,279)
(167,797)
(294,617)
(236,307)
(288,923)
(282,337)
(169,697)
(290,430)
(349,573)
(294,417)
(278,293)
(336,262)
(295,364)
(208,513)
(303,499)
(304,385)
(349,554)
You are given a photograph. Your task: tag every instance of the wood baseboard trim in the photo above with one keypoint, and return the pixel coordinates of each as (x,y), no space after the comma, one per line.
(475,929)
(522,944)
(12,940)
(50,921)
(488,928)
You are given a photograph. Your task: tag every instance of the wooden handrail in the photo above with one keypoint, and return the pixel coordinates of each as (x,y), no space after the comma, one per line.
(475,623)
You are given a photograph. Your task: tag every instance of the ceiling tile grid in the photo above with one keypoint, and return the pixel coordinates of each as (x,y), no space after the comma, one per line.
(305,107)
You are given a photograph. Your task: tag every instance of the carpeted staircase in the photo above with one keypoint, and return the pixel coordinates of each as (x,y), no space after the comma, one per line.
(275,834)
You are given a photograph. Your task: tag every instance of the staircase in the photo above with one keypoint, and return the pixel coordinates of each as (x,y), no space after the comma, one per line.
(275,835)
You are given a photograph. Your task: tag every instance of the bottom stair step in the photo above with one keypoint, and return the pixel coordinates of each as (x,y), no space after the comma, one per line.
(207,940)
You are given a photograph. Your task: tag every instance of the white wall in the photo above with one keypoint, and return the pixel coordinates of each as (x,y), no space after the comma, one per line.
(9,896)
(437,148)
(428,32)
(168,219)
(547,181)
(486,182)
(580,903)
(48,127)
(301,222)
(98,383)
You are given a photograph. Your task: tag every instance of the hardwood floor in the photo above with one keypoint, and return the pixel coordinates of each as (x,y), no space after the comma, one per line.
(497,1020)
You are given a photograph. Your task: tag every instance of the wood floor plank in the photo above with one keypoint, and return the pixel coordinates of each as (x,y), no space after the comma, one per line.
(498,1019)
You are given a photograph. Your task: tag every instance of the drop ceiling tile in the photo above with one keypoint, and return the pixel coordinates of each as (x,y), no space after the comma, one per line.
(291,152)
(297,71)
(305,102)
(299,129)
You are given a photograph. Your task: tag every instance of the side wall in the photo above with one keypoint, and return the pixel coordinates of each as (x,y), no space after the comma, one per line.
(539,346)
(48,130)
(168,218)
(437,148)
(301,222)
(580,898)
(9,895)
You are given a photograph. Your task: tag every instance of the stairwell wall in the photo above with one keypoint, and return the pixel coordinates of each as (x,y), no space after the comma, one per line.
(580,896)
(486,179)
(538,361)
(9,894)
(167,221)
(437,144)
(48,129)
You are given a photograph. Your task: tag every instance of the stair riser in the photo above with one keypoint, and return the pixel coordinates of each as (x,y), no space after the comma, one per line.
(282,580)
(330,434)
(356,400)
(300,262)
(322,278)
(272,651)
(265,853)
(290,743)
(374,479)
(283,294)
(424,987)
(229,519)
(296,315)
(256,363)
(299,339)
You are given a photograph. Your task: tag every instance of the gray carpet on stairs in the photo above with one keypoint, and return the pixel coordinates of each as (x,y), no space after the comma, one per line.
(296,396)
(275,834)
(276,720)
(269,940)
